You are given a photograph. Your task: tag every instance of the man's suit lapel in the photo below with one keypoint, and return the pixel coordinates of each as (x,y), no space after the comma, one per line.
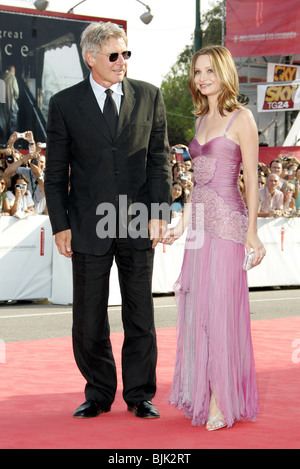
(127,106)
(91,110)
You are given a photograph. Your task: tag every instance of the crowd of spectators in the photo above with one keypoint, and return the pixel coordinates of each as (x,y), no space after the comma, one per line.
(278,184)
(183,177)
(279,188)
(22,178)
(22,181)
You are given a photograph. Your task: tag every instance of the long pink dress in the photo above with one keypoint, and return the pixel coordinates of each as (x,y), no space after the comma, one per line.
(214,346)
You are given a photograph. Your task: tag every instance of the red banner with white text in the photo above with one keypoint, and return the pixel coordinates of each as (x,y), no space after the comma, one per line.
(267,154)
(266,27)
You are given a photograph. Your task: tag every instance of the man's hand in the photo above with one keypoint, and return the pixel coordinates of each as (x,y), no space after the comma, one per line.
(157,230)
(63,243)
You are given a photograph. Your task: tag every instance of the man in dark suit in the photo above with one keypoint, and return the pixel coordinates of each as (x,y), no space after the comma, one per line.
(97,178)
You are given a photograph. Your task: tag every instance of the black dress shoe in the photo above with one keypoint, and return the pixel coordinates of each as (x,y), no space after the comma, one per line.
(90,409)
(144,410)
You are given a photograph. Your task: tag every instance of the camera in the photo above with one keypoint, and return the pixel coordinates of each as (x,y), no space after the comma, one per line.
(186,156)
(9,158)
(22,187)
(34,161)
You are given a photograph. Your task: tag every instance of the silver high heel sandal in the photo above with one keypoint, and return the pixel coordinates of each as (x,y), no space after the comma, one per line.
(220,423)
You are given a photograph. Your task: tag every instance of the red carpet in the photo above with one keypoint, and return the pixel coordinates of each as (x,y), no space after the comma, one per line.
(41,386)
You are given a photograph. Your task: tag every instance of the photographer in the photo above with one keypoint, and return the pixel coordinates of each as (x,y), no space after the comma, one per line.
(177,169)
(9,156)
(34,174)
(19,196)
(177,199)
(186,182)
(4,202)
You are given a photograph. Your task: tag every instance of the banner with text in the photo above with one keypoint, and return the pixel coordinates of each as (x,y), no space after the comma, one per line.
(39,56)
(281,97)
(266,27)
(282,72)
(278,97)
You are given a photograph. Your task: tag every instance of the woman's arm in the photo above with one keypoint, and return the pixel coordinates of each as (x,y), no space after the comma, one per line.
(6,207)
(174,233)
(248,140)
(30,210)
(14,206)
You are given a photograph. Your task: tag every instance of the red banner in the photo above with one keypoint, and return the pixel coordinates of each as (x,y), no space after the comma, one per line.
(267,154)
(266,27)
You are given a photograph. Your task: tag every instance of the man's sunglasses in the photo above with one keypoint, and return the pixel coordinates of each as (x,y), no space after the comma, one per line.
(115,55)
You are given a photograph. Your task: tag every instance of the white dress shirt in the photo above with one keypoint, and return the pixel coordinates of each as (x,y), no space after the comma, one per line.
(268,202)
(100,95)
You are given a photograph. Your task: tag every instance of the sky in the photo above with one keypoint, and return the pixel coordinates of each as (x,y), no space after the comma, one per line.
(156,46)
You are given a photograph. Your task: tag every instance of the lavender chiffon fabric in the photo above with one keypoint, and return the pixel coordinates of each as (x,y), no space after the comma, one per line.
(214,346)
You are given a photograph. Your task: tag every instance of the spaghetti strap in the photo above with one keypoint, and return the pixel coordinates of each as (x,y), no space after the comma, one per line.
(231,120)
(199,123)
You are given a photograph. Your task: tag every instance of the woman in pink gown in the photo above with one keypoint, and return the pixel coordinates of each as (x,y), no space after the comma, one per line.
(214,377)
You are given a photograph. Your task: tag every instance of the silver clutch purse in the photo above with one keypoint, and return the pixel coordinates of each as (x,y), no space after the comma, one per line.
(249,256)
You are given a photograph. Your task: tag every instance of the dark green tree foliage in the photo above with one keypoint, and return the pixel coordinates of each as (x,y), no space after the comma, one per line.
(212,25)
(175,88)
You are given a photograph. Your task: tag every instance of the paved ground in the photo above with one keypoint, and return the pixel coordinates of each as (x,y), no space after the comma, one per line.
(40,320)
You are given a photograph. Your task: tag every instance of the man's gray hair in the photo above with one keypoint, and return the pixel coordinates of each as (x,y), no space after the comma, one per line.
(97,34)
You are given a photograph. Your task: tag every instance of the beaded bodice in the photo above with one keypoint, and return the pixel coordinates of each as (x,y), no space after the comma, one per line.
(217,166)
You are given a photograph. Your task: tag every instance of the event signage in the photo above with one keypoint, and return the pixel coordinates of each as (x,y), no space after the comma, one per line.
(262,28)
(44,50)
(278,97)
(284,96)
(282,72)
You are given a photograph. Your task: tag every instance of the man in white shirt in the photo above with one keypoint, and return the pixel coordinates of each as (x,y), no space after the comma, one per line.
(270,198)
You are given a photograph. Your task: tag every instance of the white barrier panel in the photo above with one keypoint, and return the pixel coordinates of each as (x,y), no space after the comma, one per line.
(25,258)
(281,266)
(32,268)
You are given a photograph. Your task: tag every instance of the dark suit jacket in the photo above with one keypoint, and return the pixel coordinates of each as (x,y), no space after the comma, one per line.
(134,165)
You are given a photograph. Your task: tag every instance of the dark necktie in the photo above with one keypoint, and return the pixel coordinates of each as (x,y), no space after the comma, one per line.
(110,113)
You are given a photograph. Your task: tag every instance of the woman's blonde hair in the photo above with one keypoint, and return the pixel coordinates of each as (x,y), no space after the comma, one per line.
(287,185)
(224,68)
